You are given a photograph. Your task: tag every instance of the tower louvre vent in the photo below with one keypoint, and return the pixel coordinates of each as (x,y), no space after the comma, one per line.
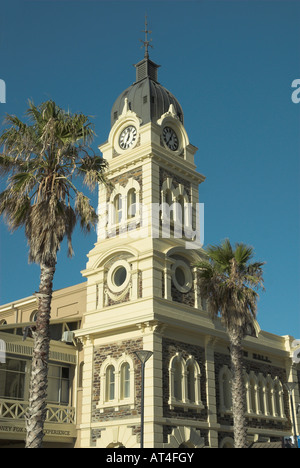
(146,69)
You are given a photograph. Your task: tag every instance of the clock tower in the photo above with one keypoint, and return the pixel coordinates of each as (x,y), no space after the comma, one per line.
(141,284)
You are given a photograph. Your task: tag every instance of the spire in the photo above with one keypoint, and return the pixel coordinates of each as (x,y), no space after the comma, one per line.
(146,43)
(146,68)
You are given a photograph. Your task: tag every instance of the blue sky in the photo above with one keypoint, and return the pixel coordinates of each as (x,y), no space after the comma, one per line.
(229,63)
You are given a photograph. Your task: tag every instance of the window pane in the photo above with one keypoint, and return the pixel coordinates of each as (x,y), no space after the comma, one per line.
(118,208)
(12,379)
(125,381)
(53,390)
(191,383)
(64,397)
(110,383)
(54,371)
(131,203)
(56,332)
(65,372)
(58,384)
(177,381)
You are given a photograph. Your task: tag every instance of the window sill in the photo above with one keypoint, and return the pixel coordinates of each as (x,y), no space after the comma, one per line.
(266,417)
(115,404)
(185,405)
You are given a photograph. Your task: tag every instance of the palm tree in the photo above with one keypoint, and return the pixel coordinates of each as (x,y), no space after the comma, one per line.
(42,158)
(228,281)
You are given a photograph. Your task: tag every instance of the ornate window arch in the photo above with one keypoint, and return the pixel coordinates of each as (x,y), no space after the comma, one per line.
(225,379)
(110,383)
(176,373)
(125,370)
(125,381)
(252,393)
(184,381)
(131,203)
(182,211)
(193,375)
(116,214)
(278,398)
(264,395)
(132,191)
(168,198)
(116,382)
(124,203)
(269,396)
(175,204)
(33,315)
(261,384)
(118,208)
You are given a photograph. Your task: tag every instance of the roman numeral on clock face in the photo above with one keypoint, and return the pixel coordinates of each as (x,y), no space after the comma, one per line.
(128,137)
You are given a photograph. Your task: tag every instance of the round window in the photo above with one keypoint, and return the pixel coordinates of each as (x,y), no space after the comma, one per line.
(119,276)
(182,276)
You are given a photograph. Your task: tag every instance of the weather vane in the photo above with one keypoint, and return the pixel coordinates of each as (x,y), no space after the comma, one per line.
(146,42)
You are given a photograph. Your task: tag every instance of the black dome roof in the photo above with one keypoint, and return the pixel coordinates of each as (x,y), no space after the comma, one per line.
(146,97)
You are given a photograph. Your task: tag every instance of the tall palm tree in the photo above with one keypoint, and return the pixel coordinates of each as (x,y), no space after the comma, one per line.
(229,283)
(42,158)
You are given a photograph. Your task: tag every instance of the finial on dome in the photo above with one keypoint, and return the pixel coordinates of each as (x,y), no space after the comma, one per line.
(125,107)
(146,43)
(146,68)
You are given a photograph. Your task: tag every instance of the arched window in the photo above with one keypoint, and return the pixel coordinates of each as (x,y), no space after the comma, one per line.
(269,398)
(110,383)
(177,372)
(131,203)
(181,210)
(184,377)
(225,379)
(117,382)
(191,383)
(261,395)
(33,316)
(118,208)
(252,393)
(125,381)
(278,398)
(169,202)
(168,197)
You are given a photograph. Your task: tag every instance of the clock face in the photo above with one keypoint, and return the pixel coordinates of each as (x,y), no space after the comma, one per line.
(128,137)
(170,138)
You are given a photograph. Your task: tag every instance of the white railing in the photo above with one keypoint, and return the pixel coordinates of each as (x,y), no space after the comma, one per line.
(13,409)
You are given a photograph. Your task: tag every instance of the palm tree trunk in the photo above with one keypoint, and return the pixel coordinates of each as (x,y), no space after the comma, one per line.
(238,390)
(36,413)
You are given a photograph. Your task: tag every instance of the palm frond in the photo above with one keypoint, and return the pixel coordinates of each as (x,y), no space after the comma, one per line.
(228,281)
(42,158)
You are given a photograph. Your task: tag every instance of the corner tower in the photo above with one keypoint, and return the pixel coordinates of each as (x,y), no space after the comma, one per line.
(141,286)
